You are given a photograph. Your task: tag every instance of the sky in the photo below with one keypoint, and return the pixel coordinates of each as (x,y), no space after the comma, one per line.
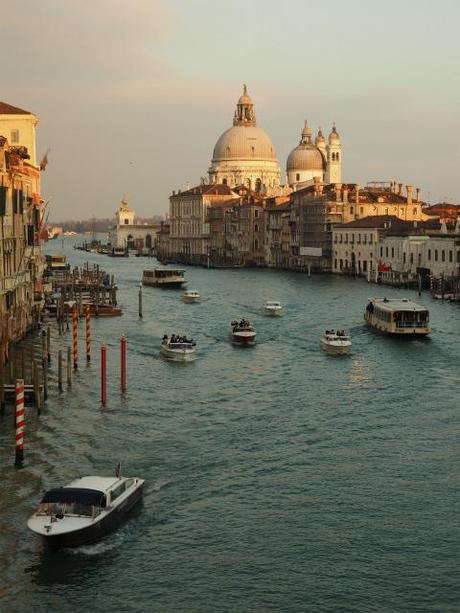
(132,95)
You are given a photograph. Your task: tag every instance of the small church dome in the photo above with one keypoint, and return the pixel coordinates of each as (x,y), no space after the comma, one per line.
(306,156)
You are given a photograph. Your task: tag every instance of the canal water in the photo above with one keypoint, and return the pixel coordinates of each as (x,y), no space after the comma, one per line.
(277,478)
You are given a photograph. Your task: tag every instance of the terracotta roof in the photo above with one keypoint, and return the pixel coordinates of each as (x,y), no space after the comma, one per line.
(8,109)
(377,221)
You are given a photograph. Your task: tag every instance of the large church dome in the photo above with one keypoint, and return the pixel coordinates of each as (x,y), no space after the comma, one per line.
(244,154)
(244,142)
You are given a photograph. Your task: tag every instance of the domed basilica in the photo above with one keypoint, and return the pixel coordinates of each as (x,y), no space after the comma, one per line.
(244,155)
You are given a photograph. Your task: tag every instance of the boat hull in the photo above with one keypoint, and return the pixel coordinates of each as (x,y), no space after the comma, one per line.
(178,355)
(336,348)
(167,285)
(273,312)
(245,339)
(96,531)
(189,299)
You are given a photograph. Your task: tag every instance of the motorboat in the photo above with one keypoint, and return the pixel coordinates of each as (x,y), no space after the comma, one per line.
(190,296)
(164,277)
(336,342)
(242,333)
(398,317)
(178,348)
(85,510)
(273,308)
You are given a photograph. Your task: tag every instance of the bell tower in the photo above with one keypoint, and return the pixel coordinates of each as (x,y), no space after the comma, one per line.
(334,157)
(125,214)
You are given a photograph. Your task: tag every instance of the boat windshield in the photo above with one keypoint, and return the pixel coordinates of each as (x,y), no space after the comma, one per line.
(180,345)
(68,508)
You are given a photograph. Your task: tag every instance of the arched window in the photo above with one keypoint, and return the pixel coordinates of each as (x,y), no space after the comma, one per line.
(148,241)
(443,256)
(435,255)
(429,254)
(256,244)
(351,210)
(253,150)
(224,181)
(333,156)
(337,157)
(258,185)
(256,227)
(227,151)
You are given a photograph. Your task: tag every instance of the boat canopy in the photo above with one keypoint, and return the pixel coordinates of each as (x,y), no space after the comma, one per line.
(81,495)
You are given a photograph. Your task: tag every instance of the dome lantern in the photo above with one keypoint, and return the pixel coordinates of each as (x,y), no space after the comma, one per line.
(244,114)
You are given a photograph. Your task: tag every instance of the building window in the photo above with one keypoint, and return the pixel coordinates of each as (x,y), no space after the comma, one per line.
(359,238)
(386,211)
(392,252)
(256,244)
(429,255)
(340,239)
(341,264)
(451,255)
(224,181)
(297,176)
(256,213)
(14,136)
(381,252)
(370,239)
(351,210)
(435,255)
(337,157)
(335,264)
(126,221)
(364,265)
(335,238)
(411,258)
(361,210)
(414,211)
(404,257)
(419,259)
(346,238)
(443,256)
(386,251)
(256,227)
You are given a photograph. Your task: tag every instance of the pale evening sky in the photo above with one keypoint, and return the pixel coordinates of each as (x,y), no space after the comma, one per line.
(132,95)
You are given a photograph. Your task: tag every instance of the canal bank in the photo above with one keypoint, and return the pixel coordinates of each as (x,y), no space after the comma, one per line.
(276,477)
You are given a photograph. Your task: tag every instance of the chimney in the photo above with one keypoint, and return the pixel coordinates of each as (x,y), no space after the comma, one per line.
(174,192)
(338,189)
(356,193)
(409,189)
(345,195)
(417,196)
(399,189)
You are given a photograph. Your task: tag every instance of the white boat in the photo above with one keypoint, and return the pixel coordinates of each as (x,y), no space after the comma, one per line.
(178,348)
(85,510)
(243,333)
(398,317)
(337,343)
(273,308)
(190,296)
(164,277)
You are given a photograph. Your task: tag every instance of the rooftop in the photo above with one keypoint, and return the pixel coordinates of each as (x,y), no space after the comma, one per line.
(9,109)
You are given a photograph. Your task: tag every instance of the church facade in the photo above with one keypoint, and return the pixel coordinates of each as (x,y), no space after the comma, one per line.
(127,234)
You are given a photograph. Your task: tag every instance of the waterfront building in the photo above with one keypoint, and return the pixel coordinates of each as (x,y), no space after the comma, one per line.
(188,221)
(128,233)
(21,261)
(278,248)
(245,155)
(309,161)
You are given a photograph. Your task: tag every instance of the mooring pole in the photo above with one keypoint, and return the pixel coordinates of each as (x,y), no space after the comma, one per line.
(60,370)
(48,343)
(20,423)
(36,382)
(75,337)
(2,383)
(140,300)
(123,363)
(103,374)
(88,332)
(69,367)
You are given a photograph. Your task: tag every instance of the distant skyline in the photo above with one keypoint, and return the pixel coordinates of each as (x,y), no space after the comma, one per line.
(132,97)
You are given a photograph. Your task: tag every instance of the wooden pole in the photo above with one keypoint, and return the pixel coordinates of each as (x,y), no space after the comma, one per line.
(45,380)
(123,364)
(88,333)
(43,346)
(103,374)
(140,300)
(2,383)
(60,370)
(20,423)
(36,388)
(48,344)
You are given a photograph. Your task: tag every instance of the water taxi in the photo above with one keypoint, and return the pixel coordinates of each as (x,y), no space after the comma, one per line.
(337,343)
(273,308)
(398,316)
(242,333)
(178,348)
(190,296)
(164,277)
(85,510)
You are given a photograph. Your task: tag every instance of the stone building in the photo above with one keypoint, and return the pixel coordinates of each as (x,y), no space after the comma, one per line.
(188,221)
(128,233)
(21,260)
(278,245)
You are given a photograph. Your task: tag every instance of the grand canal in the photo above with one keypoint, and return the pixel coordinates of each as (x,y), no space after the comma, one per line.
(277,477)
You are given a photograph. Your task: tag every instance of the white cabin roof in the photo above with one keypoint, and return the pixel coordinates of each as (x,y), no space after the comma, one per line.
(101,484)
(398,304)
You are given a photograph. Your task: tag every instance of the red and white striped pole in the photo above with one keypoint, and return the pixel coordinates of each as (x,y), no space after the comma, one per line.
(103,374)
(75,337)
(88,333)
(20,422)
(123,363)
